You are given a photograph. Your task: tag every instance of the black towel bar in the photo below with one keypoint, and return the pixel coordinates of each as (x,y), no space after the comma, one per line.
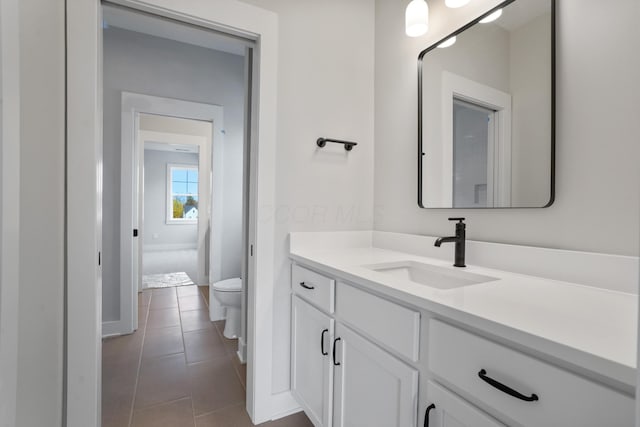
(348,145)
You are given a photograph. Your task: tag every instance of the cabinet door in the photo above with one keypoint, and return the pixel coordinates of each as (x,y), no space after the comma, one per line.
(371,388)
(311,367)
(449,410)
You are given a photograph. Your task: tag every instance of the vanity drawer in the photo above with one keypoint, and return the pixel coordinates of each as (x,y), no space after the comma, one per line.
(390,324)
(564,399)
(313,287)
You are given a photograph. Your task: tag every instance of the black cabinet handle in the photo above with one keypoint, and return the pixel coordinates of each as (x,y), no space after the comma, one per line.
(506,389)
(426,414)
(324,353)
(335,342)
(304,285)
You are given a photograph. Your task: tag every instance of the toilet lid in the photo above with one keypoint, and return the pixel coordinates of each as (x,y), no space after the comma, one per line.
(229,285)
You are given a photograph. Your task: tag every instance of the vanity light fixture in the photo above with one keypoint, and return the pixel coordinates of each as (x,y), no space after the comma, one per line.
(454,4)
(448,42)
(495,15)
(417,18)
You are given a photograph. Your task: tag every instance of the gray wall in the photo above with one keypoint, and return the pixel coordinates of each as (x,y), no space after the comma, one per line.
(155,202)
(597,201)
(152,66)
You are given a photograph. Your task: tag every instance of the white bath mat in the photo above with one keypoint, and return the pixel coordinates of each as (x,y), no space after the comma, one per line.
(166,280)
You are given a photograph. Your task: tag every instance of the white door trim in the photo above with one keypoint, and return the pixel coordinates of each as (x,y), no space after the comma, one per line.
(84,125)
(468,90)
(132,105)
(83,352)
(10,215)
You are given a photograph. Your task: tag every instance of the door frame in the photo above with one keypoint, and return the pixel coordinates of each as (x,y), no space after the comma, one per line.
(9,214)
(134,104)
(84,186)
(455,86)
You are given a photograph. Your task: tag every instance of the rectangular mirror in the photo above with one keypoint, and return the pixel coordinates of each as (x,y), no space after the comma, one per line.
(486,111)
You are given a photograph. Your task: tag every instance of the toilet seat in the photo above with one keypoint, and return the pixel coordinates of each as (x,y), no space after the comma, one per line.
(228,285)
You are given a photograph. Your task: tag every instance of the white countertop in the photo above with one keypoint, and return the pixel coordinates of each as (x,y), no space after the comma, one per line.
(588,327)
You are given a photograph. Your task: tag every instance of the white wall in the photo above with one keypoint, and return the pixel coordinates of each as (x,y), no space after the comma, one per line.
(325,89)
(41,204)
(597,202)
(156,231)
(152,66)
(529,77)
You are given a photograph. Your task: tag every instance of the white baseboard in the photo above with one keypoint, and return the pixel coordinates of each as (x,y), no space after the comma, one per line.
(111,328)
(242,350)
(283,405)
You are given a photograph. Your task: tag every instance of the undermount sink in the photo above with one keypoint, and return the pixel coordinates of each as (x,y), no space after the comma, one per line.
(429,275)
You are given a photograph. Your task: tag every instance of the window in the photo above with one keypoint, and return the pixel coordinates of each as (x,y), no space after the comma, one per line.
(182,194)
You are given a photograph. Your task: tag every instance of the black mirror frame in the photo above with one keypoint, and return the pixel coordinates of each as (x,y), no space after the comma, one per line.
(552,191)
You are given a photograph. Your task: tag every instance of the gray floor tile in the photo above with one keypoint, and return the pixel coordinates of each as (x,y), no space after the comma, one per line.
(174,414)
(232,416)
(162,379)
(163,318)
(203,345)
(192,302)
(214,385)
(169,390)
(195,320)
(163,342)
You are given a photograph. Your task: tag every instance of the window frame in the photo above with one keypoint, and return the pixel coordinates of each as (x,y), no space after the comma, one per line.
(170,220)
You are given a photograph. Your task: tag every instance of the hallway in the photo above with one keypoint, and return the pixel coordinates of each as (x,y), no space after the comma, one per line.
(177,369)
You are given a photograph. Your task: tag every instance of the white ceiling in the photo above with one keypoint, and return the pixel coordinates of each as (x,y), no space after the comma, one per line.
(114,16)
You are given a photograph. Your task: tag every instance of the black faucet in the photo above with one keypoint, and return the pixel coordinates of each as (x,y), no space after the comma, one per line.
(459,240)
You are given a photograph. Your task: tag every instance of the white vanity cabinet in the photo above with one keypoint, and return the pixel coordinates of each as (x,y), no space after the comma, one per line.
(448,410)
(358,357)
(371,387)
(339,377)
(522,388)
(312,367)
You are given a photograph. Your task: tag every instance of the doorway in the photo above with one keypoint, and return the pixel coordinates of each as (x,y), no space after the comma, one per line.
(174,107)
(473,148)
(173,203)
(257,28)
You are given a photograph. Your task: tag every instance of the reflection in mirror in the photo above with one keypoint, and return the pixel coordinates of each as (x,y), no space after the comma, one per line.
(486,111)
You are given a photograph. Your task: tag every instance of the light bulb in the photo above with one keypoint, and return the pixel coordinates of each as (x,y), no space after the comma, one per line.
(448,42)
(417,18)
(495,15)
(455,3)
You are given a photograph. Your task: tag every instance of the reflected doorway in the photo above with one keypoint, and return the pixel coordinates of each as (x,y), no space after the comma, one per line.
(473,148)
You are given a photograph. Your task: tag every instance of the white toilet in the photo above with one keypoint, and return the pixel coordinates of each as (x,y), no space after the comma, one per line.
(229,294)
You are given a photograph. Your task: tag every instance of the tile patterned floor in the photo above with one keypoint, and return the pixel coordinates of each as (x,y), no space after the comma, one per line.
(177,369)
